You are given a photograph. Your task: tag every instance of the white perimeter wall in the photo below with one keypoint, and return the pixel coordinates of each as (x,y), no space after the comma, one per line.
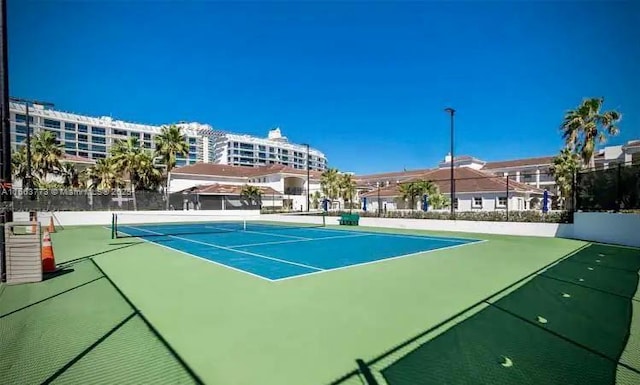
(616,228)
(72,218)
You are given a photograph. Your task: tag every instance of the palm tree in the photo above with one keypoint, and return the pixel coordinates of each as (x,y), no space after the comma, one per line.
(564,169)
(128,157)
(347,187)
(438,201)
(408,192)
(46,153)
(104,175)
(69,174)
(585,127)
(171,143)
(148,176)
(19,163)
(329,184)
(252,194)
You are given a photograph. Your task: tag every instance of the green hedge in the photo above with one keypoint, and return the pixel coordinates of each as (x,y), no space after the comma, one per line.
(490,216)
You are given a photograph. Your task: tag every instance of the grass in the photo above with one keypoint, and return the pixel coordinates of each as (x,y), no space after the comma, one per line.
(232,328)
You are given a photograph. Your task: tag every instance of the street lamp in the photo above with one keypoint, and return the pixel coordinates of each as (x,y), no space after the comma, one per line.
(379,208)
(28,179)
(451,112)
(308,168)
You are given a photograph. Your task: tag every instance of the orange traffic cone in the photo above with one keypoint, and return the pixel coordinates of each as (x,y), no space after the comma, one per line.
(48,260)
(52,228)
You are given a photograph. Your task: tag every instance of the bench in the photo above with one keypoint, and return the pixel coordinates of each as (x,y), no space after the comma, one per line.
(349,219)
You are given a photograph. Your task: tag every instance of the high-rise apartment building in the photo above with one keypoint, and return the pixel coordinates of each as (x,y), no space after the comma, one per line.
(91,137)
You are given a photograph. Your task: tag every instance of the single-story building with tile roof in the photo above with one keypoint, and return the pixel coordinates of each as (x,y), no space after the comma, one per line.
(278,181)
(474,189)
(223,197)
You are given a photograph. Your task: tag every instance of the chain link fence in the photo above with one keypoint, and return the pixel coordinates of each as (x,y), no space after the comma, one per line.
(616,188)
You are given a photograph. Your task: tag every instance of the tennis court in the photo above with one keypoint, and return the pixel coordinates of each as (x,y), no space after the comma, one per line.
(277,251)
(178,299)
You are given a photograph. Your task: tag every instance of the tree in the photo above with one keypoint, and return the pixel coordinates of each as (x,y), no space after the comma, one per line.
(19,163)
(147,176)
(251,194)
(171,143)
(329,184)
(69,174)
(104,175)
(586,126)
(127,157)
(408,193)
(564,169)
(347,188)
(315,200)
(46,153)
(438,201)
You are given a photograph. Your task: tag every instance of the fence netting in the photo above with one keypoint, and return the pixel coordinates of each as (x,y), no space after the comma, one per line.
(615,188)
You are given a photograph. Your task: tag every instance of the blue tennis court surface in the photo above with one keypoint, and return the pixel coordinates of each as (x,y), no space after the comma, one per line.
(276,253)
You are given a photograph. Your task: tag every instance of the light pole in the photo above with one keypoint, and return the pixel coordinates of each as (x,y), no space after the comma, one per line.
(6,215)
(28,179)
(379,208)
(308,185)
(451,112)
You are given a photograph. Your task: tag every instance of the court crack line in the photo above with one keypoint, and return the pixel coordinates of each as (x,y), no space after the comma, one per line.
(232,250)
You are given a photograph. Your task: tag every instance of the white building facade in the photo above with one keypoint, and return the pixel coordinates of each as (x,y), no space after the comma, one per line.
(91,137)
(246,150)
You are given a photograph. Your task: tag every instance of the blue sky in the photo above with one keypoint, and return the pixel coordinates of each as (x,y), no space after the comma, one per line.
(365,82)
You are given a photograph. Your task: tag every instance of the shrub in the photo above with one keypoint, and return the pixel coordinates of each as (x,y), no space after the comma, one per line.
(490,216)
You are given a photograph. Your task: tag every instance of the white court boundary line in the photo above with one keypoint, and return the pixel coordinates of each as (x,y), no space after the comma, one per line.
(201,258)
(376,261)
(318,270)
(301,240)
(232,250)
(426,237)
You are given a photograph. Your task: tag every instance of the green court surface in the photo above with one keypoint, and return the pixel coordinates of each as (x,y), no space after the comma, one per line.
(128,311)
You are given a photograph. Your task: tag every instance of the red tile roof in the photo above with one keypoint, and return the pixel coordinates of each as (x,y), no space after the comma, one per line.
(212,169)
(362,180)
(467,180)
(225,189)
(541,161)
(77,159)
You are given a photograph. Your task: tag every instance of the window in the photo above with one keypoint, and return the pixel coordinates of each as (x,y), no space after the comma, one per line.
(477,202)
(70,145)
(20,118)
(83,146)
(21,138)
(21,129)
(99,139)
(262,148)
(82,138)
(119,132)
(97,130)
(69,136)
(191,140)
(52,123)
(235,144)
(134,134)
(83,154)
(146,144)
(98,156)
(83,128)
(98,148)
(262,155)
(70,152)
(192,156)
(146,136)
(502,201)
(69,126)
(246,146)
(192,149)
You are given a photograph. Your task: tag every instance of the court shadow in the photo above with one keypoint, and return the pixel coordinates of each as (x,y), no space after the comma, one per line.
(57,273)
(84,258)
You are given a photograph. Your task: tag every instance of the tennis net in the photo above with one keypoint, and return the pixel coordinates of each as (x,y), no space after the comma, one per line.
(137,224)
